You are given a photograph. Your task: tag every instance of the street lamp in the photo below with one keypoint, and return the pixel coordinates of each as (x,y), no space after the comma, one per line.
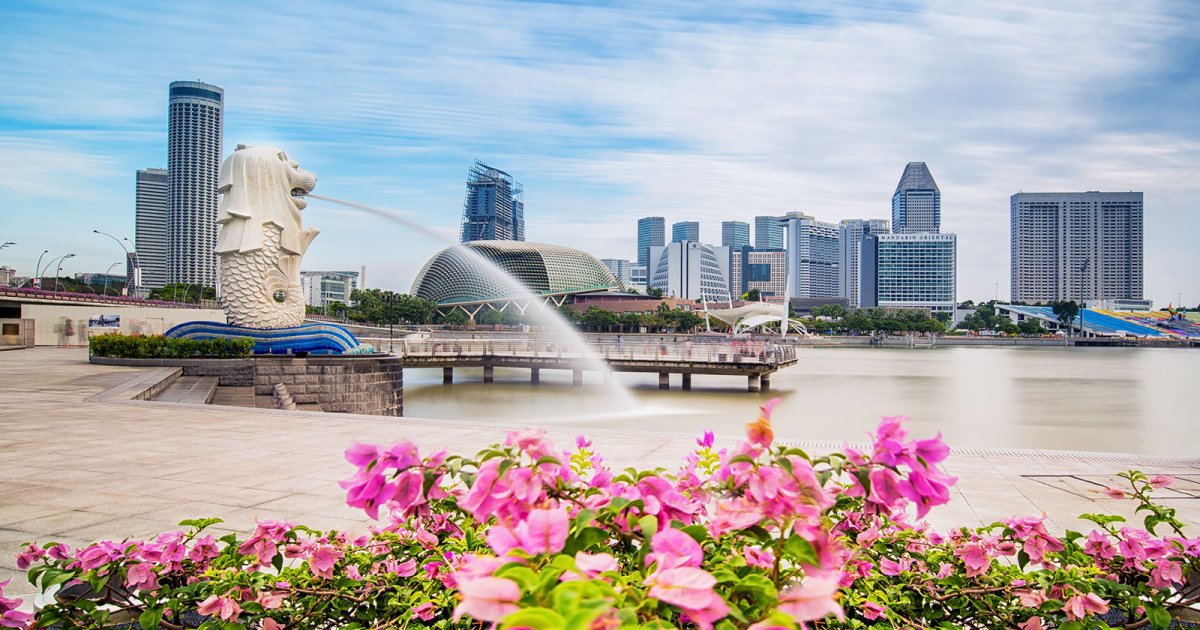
(58,269)
(6,244)
(37,271)
(107,274)
(126,249)
(1082,279)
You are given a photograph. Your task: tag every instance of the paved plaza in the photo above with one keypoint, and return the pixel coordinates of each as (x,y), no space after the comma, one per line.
(80,461)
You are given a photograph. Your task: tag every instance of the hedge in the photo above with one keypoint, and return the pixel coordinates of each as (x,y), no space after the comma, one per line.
(159,347)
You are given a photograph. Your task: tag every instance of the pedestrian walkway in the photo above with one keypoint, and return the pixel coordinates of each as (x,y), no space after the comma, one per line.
(81,458)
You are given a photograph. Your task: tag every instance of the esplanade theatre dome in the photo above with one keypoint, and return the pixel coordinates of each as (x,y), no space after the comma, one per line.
(454,276)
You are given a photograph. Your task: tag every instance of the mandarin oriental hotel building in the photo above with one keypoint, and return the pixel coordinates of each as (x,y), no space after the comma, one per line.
(908,270)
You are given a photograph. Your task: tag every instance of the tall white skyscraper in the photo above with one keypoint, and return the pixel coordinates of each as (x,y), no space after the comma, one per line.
(850,235)
(690,270)
(1064,242)
(813,253)
(195,124)
(150,227)
(917,202)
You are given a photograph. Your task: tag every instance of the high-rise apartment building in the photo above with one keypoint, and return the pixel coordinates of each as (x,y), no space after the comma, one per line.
(765,270)
(194,127)
(685,231)
(917,202)
(735,235)
(1066,242)
(494,209)
(620,268)
(652,232)
(768,232)
(690,270)
(322,288)
(813,252)
(908,270)
(150,227)
(850,235)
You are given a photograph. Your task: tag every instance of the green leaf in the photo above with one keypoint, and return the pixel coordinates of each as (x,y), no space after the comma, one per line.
(799,550)
(1073,625)
(1102,519)
(518,573)
(200,523)
(649,525)
(150,618)
(534,618)
(1159,618)
(584,539)
(546,459)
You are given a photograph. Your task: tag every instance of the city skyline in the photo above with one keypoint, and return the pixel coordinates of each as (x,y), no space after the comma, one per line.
(606,130)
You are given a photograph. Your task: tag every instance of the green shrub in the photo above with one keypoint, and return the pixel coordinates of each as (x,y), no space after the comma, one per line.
(159,347)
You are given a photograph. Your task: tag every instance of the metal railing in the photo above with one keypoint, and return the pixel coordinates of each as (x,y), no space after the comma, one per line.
(757,352)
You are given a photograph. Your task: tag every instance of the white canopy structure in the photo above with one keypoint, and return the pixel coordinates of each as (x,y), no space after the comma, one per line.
(753,315)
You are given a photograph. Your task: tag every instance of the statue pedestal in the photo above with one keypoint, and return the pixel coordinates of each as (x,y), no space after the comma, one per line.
(317,338)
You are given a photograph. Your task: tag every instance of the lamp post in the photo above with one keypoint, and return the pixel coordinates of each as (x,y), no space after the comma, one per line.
(37,270)
(106,276)
(6,244)
(125,249)
(58,269)
(1082,278)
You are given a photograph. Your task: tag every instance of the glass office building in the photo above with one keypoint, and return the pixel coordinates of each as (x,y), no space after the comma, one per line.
(813,252)
(494,209)
(768,232)
(685,231)
(850,235)
(652,232)
(909,270)
(150,227)
(917,202)
(735,234)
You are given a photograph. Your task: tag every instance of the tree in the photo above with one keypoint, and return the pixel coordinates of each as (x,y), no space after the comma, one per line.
(1065,311)
(1006,326)
(599,318)
(456,317)
(632,321)
(753,295)
(181,292)
(1030,326)
(943,317)
(687,321)
(337,308)
(653,292)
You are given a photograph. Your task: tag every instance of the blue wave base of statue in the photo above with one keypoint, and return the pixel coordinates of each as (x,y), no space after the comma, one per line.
(310,338)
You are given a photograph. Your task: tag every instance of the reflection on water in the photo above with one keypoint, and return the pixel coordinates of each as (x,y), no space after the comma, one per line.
(1139,400)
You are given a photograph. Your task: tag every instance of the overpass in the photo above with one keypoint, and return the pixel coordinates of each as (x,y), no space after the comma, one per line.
(754,360)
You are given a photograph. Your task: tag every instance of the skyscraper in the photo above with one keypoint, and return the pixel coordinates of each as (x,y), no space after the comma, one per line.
(494,209)
(685,231)
(813,252)
(850,235)
(1055,234)
(195,123)
(620,268)
(150,227)
(768,232)
(917,202)
(652,232)
(909,270)
(690,270)
(735,235)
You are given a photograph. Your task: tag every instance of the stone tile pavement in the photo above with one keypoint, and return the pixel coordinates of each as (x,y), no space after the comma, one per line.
(74,470)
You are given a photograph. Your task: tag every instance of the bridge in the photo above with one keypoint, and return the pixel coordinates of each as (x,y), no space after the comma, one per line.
(754,360)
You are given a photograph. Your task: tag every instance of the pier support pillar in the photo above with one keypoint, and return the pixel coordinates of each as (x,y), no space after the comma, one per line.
(487,373)
(752,383)
(535,375)
(664,380)
(577,378)
(765,379)
(687,380)
(447,376)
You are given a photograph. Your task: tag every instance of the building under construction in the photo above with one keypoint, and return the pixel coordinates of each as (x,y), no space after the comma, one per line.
(494,209)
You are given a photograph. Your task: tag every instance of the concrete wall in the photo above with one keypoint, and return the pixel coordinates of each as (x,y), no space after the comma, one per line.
(51,320)
(16,333)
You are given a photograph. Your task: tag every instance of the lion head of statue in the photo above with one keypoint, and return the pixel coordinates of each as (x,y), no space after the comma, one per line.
(261,186)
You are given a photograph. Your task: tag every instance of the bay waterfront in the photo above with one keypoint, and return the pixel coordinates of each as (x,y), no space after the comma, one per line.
(1135,400)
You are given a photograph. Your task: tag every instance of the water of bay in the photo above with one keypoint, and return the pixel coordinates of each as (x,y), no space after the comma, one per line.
(1133,400)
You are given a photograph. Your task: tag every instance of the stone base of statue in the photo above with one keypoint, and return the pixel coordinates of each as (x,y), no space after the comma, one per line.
(317,338)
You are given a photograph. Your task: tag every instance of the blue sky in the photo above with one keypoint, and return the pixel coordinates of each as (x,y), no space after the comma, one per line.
(607,112)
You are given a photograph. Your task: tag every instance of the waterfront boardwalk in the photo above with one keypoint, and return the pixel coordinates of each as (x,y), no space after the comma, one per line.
(81,460)
(753,360)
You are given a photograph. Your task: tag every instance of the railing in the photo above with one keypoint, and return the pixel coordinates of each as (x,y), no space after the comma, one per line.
(756,352)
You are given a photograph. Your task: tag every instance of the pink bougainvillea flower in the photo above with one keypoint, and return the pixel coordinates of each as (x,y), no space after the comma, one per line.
(889,567)
(1031,599)
(271,599)
(760,432)
(1114,493)
(975,556)
(1080,606)
(885,487)
(756,556)
(29,555)
(488,599)
(1166,573)
(271,624)
(672,548)
(424,611)
(591,565)
(322,559)
(686,587)
(814,598)
(224,608)
(1161,481)
(1033,623)
(734,515)
(873,611)
(361,455)
(706,440)
(1098,546)
(582,442)
(141,576)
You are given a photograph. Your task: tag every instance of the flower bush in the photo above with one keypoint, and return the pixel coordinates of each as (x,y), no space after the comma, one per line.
(761,536)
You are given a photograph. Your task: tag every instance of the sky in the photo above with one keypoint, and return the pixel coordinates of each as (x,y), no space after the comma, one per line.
(611,111)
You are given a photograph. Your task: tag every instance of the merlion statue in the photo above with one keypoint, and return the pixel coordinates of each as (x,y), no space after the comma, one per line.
(262,237)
